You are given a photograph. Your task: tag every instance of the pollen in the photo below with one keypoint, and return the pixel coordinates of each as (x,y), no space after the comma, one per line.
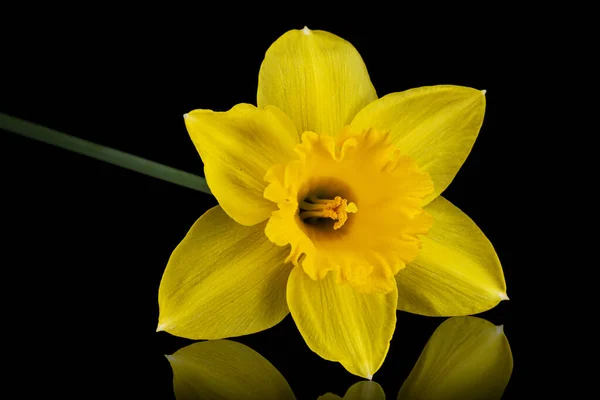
(336,209)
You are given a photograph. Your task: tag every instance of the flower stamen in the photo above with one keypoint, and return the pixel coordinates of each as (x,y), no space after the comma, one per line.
(336,209)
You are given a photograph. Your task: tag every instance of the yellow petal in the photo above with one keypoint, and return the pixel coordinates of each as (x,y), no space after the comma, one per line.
(340,324)
(465,358)
(223,280)
(225,370)
(237,148)
(318,79)
(457,271)
(435,125)
(363,390)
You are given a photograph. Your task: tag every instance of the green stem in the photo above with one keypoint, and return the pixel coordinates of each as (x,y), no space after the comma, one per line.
(103,153)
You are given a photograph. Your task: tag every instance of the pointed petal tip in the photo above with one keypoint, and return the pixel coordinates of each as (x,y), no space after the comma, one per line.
(504,296)
(484,92)
(500,329)
(369,374)
(185,116)
(160,327)
(306,31)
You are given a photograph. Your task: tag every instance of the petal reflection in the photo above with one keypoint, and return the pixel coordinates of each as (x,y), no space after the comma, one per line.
(225,370)
(363,390)
(465,358)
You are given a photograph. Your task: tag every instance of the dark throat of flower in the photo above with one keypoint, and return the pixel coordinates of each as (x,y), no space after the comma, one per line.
(316,211)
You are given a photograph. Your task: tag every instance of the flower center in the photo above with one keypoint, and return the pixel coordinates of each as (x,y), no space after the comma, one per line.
(313,209)
(331,178)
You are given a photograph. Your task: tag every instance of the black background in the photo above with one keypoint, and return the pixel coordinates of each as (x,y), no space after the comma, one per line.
(88,242)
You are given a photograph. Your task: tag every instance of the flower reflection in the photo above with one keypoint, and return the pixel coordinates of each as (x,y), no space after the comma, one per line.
(223,369)
(465,358)
(367,390)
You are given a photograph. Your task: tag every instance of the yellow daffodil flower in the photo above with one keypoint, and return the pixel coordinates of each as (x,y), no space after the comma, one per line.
(330,209)
(465,358)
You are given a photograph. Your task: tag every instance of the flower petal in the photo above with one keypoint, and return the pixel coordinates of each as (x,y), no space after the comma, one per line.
(341,324)
(318,79)
(465,358)
(223,369)
(237,148)
(223,280)
(457,271)
(435,125)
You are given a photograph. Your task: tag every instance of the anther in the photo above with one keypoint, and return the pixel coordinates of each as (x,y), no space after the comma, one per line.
(336,209)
